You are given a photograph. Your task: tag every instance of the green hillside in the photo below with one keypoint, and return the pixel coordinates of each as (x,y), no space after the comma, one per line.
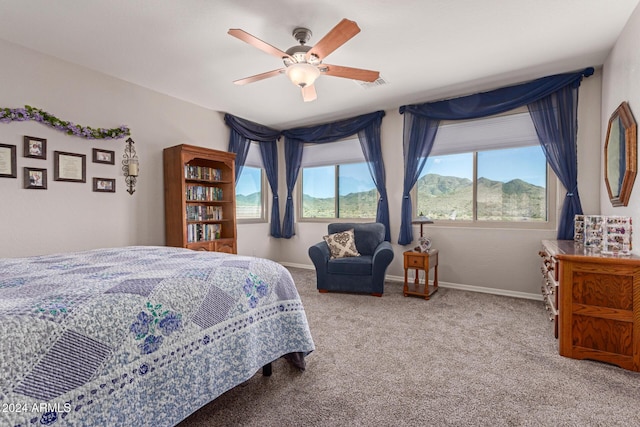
(446,197)
(439,197)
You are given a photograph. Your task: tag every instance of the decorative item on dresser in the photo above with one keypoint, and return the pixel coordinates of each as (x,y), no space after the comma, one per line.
(598,297)
(200,198)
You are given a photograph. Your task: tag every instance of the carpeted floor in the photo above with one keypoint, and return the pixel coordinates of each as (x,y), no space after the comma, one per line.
(460,359)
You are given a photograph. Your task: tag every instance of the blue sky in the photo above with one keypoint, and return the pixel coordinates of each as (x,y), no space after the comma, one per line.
(249,181)
(320,181)
(526,163)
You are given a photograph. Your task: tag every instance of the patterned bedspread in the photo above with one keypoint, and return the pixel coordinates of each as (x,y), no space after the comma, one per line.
(140,335)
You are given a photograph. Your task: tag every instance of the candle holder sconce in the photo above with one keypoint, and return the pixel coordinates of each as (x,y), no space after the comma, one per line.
(130,166)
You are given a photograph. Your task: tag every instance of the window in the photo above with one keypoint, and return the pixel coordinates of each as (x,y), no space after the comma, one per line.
(336,182)
(497,173)
(251,191)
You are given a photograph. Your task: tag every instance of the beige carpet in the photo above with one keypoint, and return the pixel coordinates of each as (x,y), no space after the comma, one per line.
(460,359)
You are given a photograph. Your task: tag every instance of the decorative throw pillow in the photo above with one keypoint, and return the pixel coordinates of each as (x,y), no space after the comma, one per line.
(342,244)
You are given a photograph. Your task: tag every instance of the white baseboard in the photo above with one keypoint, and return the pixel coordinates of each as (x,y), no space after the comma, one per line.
(470,288)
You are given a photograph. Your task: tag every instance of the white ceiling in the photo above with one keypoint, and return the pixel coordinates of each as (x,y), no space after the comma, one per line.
(424,49)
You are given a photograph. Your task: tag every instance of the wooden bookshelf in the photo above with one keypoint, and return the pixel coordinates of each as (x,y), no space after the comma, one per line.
(200,198)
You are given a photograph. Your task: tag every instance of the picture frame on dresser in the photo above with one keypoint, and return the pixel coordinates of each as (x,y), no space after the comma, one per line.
(35,148)
(8,166)
(35,178)
(71,167)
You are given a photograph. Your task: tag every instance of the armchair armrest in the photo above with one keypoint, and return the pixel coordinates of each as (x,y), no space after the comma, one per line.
(383,252)
(320,254)
(382,257)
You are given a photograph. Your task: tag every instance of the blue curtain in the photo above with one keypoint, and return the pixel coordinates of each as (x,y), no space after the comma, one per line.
(417,142)
(269,151)
(371,148)
(330,132)
(242,133)
(419,135)
(293,158)
(239,145)
(556,122)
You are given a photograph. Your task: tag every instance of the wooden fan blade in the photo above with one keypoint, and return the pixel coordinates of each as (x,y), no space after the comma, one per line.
(309,93)
(256,42)
(259,77)
(335,38)
(350,73)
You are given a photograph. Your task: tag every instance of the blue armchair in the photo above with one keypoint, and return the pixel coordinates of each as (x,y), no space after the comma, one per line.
(364,273)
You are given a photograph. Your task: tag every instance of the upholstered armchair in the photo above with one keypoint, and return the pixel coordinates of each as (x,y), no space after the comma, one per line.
(362,273)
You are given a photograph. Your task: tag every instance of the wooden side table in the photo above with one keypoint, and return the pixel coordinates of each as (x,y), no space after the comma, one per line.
(421,261)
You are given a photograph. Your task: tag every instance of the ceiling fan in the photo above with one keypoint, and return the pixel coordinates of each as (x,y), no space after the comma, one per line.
(303,64)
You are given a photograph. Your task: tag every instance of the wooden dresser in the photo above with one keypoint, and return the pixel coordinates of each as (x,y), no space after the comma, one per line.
(598,304)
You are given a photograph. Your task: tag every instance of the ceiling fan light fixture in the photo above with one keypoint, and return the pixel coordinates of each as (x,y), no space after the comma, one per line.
(302,74)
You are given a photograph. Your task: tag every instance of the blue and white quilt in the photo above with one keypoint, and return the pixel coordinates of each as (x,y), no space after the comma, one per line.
(137,336)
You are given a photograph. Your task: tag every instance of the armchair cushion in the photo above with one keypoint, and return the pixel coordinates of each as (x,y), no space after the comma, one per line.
(342,244)
(360,266)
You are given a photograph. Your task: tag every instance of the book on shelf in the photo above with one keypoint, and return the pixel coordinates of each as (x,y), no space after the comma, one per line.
(204,213)
(202,173)
(203,193)
(203,232)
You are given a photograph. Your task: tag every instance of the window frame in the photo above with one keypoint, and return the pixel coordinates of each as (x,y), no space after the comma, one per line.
(264,191)
(299,195)
(552,204)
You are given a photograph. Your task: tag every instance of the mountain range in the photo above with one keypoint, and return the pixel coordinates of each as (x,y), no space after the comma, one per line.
(439,197)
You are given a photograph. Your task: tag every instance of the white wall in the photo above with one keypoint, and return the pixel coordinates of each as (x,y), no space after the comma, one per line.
(70,216)
(621,82)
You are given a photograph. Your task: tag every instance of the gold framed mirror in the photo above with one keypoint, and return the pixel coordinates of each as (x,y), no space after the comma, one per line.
(620,155)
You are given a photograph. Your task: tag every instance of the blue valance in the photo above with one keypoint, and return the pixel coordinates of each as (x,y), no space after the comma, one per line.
(242,133)
(367,127)
(496,101)
(331,132)
(251,130)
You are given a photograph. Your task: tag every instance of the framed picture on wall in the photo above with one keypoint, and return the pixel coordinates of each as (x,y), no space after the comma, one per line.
(104,185)
(8,167)
(104,156)
(35,178)
(70,167)
(36,148)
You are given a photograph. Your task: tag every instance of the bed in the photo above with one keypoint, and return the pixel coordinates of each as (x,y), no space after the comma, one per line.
(141,335)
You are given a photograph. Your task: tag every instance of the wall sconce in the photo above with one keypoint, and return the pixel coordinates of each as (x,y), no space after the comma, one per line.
(130,166)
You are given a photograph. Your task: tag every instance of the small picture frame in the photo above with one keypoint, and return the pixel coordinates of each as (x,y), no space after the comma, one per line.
(35,148)
(104,156)
(104,185)
(71,167)
(8,168)
(35,178)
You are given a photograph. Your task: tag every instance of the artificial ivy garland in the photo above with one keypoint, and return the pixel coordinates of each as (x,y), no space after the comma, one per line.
(8,115)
